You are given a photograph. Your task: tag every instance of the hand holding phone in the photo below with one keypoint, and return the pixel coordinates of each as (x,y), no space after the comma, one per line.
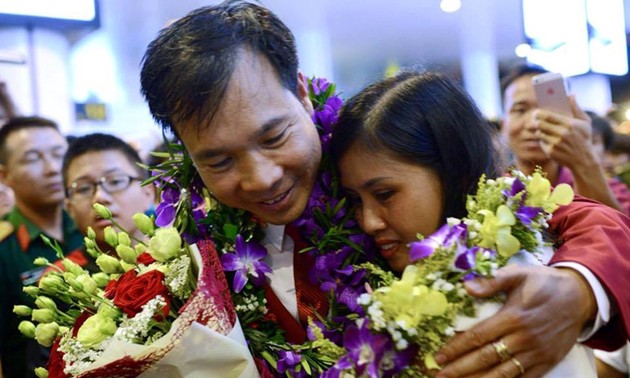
(551,95)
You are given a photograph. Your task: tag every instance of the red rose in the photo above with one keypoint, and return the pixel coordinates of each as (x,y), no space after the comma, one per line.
(133,291)
(56,364)
(110,289)
(145,258)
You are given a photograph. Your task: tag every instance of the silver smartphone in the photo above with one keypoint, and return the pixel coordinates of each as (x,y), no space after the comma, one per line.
(551,93)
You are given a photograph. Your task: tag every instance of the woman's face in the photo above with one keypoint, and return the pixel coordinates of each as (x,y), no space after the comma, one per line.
(396,200)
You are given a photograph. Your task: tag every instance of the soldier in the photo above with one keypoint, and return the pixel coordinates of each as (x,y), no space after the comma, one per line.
(31,154)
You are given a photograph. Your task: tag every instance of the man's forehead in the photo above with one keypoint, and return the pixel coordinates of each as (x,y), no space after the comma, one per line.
(521,87)
(35,138)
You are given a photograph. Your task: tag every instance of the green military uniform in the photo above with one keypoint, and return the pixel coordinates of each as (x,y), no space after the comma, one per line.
(20,244)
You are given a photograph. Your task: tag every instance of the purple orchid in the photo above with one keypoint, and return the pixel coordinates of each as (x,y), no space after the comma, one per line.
(444,236)
(517,187)
(365,350)
(526,213)
(288,362)
(466,262)
(472,260)
(395,361)
(246,263)
(320,85)
(166,210)
(335,334)
(331,275)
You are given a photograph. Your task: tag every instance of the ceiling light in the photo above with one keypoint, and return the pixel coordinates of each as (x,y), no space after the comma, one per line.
(450,6)
(522,50)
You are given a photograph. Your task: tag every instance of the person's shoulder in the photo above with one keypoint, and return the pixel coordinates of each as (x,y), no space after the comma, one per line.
(6,229)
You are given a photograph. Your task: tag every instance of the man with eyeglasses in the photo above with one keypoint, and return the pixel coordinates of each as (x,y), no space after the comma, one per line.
(31,153)
(101,168)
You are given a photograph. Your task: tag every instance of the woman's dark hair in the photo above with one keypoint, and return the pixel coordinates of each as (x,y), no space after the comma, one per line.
(186,69)
(425,119)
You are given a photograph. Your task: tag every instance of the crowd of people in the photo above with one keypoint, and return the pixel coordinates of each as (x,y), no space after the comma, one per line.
(410,148)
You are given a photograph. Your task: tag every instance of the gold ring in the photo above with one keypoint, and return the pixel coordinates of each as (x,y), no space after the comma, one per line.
(518,365)
(502,350)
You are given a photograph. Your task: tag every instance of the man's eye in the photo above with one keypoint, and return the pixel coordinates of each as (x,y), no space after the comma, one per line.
(83,189)
(220,164)
(31,158)
(518,111)
(276,139)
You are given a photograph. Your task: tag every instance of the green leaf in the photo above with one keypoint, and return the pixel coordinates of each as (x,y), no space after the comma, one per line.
(306,366)
(230,231)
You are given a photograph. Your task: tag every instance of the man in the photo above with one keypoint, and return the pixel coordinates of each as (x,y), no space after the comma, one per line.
(101,168)
(569,156)
(31,152)
(225,80)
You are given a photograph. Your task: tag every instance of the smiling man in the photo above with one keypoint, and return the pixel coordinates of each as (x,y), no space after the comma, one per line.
(31,152)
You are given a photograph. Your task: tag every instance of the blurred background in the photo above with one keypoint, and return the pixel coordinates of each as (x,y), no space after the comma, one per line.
(77,61)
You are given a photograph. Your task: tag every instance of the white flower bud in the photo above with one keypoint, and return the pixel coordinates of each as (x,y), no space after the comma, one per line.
(110,236)
(45,333)
(144,223)
(27,329)
(126,253)
(108,264)
(45,302)
(165,244)
(21,310)
(124,239)
(102,211)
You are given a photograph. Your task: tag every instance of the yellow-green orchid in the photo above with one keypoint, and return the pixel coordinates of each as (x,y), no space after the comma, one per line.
(539,194)
(405,301)
(496,229)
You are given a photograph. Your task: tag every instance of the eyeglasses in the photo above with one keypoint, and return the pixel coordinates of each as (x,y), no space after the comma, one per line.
(85,190)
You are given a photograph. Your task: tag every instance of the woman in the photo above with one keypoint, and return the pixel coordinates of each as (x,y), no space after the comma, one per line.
(410,149)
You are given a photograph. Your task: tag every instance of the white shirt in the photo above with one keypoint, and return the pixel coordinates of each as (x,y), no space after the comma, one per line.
(280,259)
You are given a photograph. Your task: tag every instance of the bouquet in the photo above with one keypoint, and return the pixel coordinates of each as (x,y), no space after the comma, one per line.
(153,308)
(407,319)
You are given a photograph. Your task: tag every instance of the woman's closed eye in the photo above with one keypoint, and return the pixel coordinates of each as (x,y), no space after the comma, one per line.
(383,195)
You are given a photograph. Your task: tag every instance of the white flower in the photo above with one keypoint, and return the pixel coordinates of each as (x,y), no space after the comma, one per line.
(176,277)
(402,344)
(364,299)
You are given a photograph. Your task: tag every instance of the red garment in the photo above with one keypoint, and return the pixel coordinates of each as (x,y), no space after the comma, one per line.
(596,236)
(309,298)
(618,188)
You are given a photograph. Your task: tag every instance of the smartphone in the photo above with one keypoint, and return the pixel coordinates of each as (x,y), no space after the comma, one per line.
(551,93)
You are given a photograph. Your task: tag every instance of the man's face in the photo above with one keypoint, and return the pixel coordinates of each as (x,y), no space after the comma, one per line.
(261,151)
(33,166)
(518,125)
(112,165)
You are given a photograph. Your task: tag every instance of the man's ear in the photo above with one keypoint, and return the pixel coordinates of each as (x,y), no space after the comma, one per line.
(150,192)
(69,208)
(302,87)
